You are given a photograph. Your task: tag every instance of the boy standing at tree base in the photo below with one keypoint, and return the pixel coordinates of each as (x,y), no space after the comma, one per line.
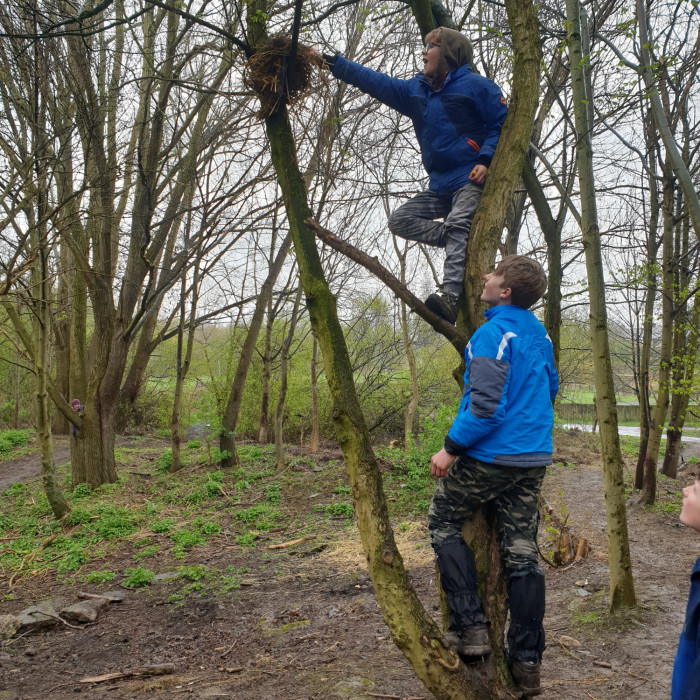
(496,451)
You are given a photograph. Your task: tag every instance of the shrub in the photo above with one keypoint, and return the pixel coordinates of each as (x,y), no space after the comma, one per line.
(9,439)
(100,576)
(138,577)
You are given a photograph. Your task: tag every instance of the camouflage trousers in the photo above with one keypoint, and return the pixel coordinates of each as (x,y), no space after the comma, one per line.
(514,490)
(415,221)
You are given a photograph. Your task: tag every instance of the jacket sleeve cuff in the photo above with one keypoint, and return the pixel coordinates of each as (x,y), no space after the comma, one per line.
(329,58)
(484,160)
(453,448)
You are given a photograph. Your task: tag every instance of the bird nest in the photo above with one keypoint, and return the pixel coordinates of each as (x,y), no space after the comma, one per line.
(271,74)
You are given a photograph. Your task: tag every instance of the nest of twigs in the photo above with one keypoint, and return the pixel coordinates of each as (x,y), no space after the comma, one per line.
(271,74)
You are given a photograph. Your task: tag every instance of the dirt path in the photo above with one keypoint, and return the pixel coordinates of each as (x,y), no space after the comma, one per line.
(28,467)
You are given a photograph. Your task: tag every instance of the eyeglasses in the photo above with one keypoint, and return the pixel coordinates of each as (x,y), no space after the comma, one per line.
(429,46)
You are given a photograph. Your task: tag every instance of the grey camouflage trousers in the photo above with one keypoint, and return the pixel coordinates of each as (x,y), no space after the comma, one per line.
(415,221)
(515,491)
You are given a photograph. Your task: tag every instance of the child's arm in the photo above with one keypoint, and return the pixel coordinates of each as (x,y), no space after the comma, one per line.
(691,688)
(489,378)
(390,91)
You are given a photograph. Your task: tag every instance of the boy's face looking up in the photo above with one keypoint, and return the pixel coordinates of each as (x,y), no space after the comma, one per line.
(431,56)
(495,291)
(690,511)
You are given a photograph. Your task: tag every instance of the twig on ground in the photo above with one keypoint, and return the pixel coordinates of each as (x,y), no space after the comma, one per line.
(229,650)
(60,619)
(291,543)
(154,670)
(89,596)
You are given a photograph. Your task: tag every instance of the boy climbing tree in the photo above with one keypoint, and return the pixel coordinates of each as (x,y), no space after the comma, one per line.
(457,115)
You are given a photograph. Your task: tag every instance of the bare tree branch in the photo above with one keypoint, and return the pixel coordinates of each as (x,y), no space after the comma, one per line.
(401,291)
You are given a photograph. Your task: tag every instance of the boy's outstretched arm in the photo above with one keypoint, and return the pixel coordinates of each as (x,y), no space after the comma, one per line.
(390,91)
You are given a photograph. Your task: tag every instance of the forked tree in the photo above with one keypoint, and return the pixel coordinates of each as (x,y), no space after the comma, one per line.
(411,626)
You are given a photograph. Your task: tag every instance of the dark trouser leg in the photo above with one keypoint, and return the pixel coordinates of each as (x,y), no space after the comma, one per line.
(415,220)
(458,578)
(526,600)
(518,517)
(467,485)
(455,233)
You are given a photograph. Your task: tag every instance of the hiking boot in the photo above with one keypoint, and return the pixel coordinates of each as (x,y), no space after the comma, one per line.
(526,675)
(453,639)
(444,305)
(475,641)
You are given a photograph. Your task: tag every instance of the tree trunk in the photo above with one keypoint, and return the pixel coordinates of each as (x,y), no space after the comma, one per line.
(685,358)
(508,161)
(621,582)
(131,388)
(284,366)
(17,394)
(410,417)
(78,372)
(656,427)
(673,155)
(42,322)
(266,373)
(61,343)
(227,442)
(643,379)
(183,364)
(411,627)
(315,434)
(551,229)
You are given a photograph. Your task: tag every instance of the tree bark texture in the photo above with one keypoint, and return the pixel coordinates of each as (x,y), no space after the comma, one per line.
(507,163)
(658,419)
(621,582)
(284,373)
(315,434)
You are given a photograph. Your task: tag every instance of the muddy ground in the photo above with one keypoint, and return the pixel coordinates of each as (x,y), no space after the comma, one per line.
(305,624)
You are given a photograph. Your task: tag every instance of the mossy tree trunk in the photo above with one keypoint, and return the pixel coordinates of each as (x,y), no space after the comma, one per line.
(411,627)
(658,416)
(315,434)
(621,583)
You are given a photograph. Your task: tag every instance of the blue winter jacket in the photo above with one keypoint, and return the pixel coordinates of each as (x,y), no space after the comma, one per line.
(457,125)
(685,682)
(505,416)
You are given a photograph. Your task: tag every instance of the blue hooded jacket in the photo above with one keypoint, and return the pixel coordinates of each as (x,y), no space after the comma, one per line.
(505,416)
(685,682)
(457,125)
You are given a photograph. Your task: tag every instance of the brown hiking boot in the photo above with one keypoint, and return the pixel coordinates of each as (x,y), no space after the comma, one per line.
(526,675)
(475,641)
(444,305)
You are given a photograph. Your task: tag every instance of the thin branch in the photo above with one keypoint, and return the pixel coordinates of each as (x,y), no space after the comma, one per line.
(401,291)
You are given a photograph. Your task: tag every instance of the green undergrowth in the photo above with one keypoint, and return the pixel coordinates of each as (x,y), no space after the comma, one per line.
(153,523)
(13,443)
(409,483)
